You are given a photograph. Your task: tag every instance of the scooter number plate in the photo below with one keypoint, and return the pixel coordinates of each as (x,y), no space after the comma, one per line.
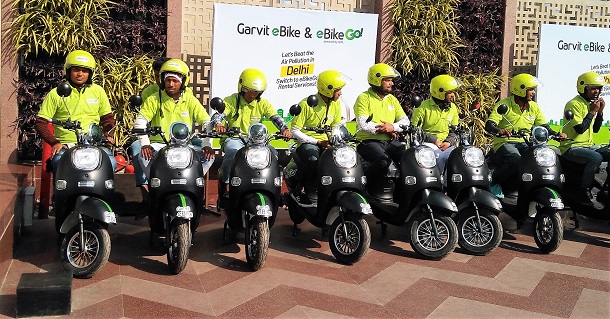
(110,217)
(185,214)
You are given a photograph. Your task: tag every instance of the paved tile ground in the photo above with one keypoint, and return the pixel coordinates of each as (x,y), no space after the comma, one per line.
(302,280)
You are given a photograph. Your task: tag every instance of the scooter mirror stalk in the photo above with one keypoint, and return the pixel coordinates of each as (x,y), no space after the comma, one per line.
(64,89)
(312,100)
(295,110)
(416,101)
(135,100)
(217,104)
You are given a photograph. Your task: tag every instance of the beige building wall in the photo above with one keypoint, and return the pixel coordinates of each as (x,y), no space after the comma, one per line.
(523,20)
(8,93)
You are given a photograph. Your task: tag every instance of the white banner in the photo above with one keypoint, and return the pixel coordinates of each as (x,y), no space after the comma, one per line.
(564,53)
(291,47)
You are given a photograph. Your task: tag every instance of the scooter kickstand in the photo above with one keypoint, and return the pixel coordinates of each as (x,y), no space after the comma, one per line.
(295,230)
(224,231)
(384,227)
(575,219)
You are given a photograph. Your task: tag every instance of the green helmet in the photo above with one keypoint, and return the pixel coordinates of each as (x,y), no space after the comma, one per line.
(380,71)
(252,80)
(329,81)
(175,66)
(441,84)
(589,79)
(82,59)
(520,83)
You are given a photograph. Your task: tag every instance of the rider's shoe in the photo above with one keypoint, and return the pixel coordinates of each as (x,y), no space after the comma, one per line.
(496,190)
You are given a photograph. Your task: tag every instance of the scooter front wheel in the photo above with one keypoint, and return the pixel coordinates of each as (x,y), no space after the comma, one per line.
(178,245)
(433,240)
(548,230)
(350,240)
(479,235)
(257,243)
(84,263)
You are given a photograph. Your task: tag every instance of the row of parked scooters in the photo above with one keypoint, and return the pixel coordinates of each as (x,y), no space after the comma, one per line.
(412,193)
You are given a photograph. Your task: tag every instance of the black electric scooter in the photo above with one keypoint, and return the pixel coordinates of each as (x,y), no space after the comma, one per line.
(537,192)
(412,194)
(468,177)
(335,201)
(176,185)
(254,188)
(83,181)
(596,209)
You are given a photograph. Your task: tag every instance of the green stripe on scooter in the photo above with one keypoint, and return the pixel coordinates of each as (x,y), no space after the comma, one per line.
(107,206)
(262,199)
(553,191)
(183,200)
(363,199)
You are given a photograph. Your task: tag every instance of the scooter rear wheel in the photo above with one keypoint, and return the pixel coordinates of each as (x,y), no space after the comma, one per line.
(479,239)
(84,264)
(351,248)
(429,243)
(548,229)
(178,245)
(257,244)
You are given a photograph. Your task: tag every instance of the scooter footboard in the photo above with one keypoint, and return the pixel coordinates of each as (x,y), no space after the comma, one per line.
(438,201)
(92,207)
(180,206)
(482,198)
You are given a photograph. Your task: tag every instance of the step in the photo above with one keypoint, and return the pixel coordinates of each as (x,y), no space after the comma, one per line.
(44,294)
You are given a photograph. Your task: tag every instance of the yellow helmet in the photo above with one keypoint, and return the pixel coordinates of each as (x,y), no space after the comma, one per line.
(441,84)
(520,83)
(380,71)
(329,81)
(82,59)
(253,80)
(175,66)
(589,79)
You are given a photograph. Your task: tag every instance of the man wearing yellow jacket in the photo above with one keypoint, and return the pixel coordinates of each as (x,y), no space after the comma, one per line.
(379,117)
(588,108)
(435,115)
(523,113)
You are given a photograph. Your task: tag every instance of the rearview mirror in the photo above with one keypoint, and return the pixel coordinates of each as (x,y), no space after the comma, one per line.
(64,89)
(502,109)
(312,100)
(295,110)
(217,104)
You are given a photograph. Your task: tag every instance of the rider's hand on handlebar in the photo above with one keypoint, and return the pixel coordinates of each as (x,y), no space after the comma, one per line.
(208,152)
(147,152)
(323,144)
(444,145)
(56,148)
(220,128)
(287,134)
(393,135)
(504,132)
(562,135)
(385,127)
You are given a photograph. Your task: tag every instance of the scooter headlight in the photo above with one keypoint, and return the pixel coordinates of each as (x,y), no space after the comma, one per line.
(345,157)
(258,157)
(425,157)
(87,158)
(178,157)
(545,156)
(473,156)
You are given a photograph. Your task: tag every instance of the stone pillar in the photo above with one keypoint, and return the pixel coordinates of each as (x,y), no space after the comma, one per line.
(508,47)
(8,87)
(174,28)
(385,30)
